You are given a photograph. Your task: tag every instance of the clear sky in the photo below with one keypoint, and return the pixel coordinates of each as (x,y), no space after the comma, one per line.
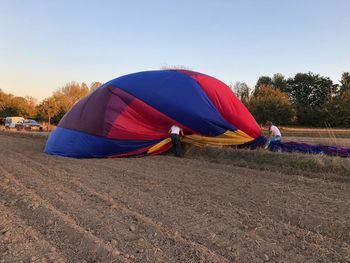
(45,44)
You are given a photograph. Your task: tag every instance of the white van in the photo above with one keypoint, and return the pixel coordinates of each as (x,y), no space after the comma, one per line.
(10,122)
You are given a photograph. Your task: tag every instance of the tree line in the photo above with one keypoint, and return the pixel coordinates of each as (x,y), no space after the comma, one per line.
(51,109)
(307,99)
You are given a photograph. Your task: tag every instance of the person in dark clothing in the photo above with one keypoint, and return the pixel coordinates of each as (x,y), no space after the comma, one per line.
(176,132)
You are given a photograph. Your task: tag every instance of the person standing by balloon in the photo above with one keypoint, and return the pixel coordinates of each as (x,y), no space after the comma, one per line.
(176,132)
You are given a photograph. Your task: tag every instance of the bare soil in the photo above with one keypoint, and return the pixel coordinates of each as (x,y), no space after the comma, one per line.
(164,209)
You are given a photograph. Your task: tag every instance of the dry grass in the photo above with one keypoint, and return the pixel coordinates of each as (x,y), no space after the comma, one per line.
(333,168)
(32,134)
(316,133)
(318,130)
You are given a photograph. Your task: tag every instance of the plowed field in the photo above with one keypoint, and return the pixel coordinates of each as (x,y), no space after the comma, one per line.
(164,209)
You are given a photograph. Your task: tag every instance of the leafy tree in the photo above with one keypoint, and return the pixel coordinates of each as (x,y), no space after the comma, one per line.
(262,81)
(345,82)
(47,109)
(10,110)
(339,109)
(69,94)
(94,86)
(279,82)
(28,107)
(166,67)
(16,106)
(242,91)
(310,90)
(5,100)
(66,97)
(312,96)
(20,104)
(58,116)
(343,115)
(271,104)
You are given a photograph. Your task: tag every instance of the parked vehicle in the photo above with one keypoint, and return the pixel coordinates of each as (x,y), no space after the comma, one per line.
(10,122)
(29,125)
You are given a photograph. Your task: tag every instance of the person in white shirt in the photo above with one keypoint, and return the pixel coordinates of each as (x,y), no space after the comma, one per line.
(175,133)
(274,134)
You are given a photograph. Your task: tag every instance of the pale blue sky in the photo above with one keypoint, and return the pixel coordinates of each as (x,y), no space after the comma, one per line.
(45,44)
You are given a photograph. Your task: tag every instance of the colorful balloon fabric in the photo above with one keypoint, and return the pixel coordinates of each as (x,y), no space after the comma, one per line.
(132,114)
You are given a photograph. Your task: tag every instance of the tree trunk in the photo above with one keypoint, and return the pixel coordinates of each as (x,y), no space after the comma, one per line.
(49,125)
